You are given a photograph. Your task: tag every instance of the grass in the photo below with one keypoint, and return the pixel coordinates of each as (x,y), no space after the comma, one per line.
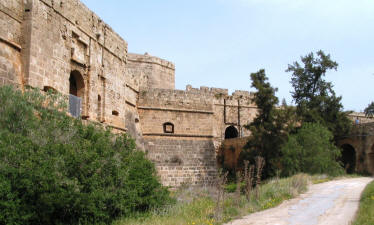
(197,206)
(317,179)
(365,215)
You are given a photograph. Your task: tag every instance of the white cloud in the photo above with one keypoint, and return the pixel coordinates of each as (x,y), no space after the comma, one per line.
(323,5)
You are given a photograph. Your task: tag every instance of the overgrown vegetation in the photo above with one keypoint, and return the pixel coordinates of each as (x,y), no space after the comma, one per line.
(270,128)
(311,150)
(365,213)
(369,110)
(276,133)
(315,99)
(197,205)
(56,170)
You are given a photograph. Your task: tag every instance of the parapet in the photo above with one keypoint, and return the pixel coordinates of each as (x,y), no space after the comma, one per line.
(242,94)
(152,72)
(207,90)
(146,58)
(175,99)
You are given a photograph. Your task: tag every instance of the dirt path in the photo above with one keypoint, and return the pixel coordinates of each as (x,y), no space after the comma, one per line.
(330,203)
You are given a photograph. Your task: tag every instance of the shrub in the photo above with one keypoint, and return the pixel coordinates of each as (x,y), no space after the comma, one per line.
(55,170)
(311,150)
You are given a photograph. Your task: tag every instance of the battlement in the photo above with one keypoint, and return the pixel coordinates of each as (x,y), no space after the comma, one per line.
(219,92)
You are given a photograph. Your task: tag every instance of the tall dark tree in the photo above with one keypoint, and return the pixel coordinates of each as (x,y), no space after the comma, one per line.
(369,111)
(315,98)
(271,126)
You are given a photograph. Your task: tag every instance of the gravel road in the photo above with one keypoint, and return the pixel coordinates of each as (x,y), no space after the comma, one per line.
(330,203)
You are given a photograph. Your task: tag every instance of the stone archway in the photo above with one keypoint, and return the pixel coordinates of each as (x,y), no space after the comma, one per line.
(76,84)
(371,160)
(348,158)
(231,132)
(76,91)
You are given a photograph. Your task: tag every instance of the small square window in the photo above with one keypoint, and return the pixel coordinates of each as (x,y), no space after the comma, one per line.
(168,128)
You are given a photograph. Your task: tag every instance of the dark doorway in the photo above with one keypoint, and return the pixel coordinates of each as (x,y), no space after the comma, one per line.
(99,107)
(76,91)
(231,132)
(76,84)
(348,158)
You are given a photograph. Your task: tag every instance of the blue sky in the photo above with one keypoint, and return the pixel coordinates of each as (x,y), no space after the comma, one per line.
(218,43)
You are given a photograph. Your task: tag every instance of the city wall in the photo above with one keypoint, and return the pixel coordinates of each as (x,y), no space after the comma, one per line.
(63,46)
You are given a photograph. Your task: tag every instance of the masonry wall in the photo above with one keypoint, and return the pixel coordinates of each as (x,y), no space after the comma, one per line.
(200,117)
(43,43)
(11,41)
(186,155)
(183,160)
(65,36)
(230,151)
(361,139)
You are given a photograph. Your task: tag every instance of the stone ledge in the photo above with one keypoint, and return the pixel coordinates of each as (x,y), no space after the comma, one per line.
(175,110)
(178,135)
(11,43)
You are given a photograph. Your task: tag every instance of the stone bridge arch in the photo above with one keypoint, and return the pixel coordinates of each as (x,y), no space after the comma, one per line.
(371,159)
(348,158)
(361,140)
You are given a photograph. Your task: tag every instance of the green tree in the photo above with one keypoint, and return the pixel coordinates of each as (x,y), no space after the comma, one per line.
(310,150)
(369,111)
(271,126)
(315,98)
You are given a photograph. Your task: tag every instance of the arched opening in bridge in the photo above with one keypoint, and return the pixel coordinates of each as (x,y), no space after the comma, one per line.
(231,132)
(371,160)
(348,158)
(76,91)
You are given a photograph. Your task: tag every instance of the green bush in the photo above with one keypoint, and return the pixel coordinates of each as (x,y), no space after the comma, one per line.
(56,170)
(311,150)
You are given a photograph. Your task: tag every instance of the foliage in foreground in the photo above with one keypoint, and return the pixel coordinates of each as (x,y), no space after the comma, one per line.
(55,170)
(369,110)
(198,206)
(315,98)
(270,128)
(365,213)
(311,151)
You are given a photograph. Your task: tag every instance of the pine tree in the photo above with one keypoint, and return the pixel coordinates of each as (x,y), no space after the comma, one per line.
(315,98)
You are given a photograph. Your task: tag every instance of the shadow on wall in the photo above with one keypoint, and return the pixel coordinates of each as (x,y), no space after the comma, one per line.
(371,160)
(230,151)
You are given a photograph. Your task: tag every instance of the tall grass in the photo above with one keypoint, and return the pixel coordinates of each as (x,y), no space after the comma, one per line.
(365,215)
(197,205)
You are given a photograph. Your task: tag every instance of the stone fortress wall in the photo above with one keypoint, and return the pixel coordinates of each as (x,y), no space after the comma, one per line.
(63,46)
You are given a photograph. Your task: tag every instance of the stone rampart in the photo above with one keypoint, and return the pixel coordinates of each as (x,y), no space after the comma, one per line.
(183,160)
(358,148)
(11,41)
(152,72)
(64,46)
